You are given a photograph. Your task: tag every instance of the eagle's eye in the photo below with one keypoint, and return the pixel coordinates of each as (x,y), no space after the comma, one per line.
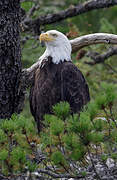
(54,35)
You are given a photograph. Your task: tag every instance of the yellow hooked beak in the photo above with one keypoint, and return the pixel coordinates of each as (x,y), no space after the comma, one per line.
(45,37)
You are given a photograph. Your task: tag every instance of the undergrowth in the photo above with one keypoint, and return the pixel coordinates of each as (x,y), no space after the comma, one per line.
(66,140)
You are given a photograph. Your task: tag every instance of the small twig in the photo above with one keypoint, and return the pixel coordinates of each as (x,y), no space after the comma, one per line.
(100,58)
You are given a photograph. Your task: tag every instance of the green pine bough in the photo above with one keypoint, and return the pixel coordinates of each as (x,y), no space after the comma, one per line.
(66,139)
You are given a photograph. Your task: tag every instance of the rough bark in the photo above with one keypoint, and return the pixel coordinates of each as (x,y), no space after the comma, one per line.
(10,57)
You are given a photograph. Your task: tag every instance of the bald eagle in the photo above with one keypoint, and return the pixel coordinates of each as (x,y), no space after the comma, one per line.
(57,79)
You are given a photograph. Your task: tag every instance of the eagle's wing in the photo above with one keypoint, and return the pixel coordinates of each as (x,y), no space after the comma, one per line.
(74,88)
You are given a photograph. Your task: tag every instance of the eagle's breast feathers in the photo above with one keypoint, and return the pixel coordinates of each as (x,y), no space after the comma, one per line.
(55,83)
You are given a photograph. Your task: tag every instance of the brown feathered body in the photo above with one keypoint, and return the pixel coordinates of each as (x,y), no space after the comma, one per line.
(54,83)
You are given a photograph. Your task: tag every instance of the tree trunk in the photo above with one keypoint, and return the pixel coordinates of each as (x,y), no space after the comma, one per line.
(10,57)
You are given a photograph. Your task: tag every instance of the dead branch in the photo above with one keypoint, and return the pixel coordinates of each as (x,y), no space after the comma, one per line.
(70,12)
(100,58)
(97,38)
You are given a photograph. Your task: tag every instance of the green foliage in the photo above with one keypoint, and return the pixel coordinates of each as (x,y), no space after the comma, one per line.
(84,173)
(72,125)
(66,138)
(3,136)
(101,101)
(45,137)
(18,155)
(16,136)
(77,154)
(27,5)
(84,123)
(106,26)
(56,127)
(70,136)
(61,110)
(114,156)
(99,124)
(110,92)
(58,158)
(3,155)
(32,166)
(104,157)
(107,96)
(92,109)
(96,137)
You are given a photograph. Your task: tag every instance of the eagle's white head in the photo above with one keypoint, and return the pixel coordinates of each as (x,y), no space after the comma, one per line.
(57,46)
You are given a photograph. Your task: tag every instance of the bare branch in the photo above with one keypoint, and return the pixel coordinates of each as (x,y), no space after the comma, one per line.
(32,10)
(70,12)
(97,38)
(100,58)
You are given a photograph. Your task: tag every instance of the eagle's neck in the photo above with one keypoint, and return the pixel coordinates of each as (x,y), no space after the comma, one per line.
(58,54)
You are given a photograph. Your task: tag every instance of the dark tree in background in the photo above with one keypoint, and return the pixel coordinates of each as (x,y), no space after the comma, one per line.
(10,57)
